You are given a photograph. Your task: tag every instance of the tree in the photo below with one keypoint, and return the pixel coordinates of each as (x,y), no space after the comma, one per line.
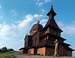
(4,49)
(10,50)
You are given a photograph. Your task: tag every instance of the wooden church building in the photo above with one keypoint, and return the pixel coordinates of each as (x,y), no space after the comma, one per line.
(47,40)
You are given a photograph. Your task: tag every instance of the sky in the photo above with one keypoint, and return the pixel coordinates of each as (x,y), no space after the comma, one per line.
(18,16)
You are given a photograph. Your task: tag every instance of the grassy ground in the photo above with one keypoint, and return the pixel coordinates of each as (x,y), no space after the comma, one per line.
(8,55)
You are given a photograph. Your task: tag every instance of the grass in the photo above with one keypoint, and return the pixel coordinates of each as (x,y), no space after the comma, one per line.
(10,54)
(7,55)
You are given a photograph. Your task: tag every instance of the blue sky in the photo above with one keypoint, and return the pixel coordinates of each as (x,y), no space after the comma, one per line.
(18,16)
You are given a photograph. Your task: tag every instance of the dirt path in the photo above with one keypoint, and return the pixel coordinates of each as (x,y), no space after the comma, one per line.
(25,56)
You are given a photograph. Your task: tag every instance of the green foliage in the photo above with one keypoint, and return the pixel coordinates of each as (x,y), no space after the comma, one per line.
(4,50)
(10,50)
(6,55)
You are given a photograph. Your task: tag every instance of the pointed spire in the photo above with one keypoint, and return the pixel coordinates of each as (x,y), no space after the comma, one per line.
(51,12)
(51,22)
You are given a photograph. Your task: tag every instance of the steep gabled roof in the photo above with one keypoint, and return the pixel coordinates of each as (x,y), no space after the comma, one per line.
(51,22)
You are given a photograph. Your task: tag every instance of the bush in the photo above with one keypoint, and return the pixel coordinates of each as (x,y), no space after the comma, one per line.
(4,50)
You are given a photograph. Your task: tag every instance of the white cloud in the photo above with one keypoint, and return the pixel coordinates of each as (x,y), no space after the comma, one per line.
(43,11)
(68,29)
(12,34)
(37,16)
(7,30)
(25,21)
(43,22)
(41,2)
(11,29)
